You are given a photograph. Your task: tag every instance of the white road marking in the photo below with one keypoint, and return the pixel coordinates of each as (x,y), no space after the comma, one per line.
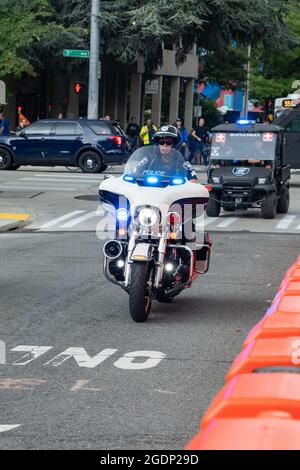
(53,222)
(33,353)
(8,427)
(79,220)
(81,357)
(32,187)
(210,220)
(152,359)
(65,180)
(227,222)
(43,175)
(286,222)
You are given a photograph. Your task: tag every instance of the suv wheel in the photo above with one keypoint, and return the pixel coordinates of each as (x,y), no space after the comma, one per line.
(213,207)
(90,162)
(6,161)
(283,202)
(269,206)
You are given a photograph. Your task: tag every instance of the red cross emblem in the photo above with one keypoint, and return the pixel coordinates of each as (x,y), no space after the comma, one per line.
(268,137)
(220,138)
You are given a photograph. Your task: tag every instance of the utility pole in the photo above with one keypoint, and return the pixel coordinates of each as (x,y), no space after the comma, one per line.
(246,97)
(93,103)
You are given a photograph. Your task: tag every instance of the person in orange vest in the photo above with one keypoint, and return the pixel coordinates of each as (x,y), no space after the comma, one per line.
(147,132)
(23,121)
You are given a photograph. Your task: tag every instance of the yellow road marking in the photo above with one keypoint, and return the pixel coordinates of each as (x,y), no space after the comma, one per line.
(4,215)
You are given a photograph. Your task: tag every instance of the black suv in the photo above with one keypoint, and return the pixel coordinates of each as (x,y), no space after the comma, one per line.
(247,169)
(88,144)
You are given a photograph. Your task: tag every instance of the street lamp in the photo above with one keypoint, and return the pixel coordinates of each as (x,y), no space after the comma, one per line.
(93,103)
(246,97)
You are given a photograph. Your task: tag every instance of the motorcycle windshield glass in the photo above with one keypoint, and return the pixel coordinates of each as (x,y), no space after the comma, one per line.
(158,161)
(243,146)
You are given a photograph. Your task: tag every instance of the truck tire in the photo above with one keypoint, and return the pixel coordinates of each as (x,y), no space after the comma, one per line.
(6,161)
(213,207)
(90,162)
(140,295)
(283,202)
(269,206)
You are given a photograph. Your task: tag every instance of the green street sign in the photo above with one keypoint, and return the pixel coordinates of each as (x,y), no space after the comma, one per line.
(77,53)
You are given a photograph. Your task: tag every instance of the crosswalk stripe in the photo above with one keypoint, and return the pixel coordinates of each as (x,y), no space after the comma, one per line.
(78,220)
(43,175)
(61,219)
(286,222)
(209,220)
(227,222)
(61,180)
(14,187)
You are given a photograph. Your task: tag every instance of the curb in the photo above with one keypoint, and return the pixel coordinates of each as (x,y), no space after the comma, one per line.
(7,226)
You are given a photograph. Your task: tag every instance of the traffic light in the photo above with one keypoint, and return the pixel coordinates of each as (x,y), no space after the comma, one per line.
(79,87)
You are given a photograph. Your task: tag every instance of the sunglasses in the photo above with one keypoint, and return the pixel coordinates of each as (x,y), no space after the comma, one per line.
(166,142)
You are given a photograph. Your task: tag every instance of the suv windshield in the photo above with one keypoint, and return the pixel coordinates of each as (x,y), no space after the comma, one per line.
(243,146)
(156,160)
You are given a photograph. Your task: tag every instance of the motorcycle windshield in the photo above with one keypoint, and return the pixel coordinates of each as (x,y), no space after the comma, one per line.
(156,161)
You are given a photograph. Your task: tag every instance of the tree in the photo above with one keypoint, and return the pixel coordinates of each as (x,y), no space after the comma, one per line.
(279,70)
(31,34)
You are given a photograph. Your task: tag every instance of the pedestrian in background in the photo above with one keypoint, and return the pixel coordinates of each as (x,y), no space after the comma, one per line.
(184,135)
(147,132)
(4,125)
(201,134)
(193,148)
(133,132)
(60,116)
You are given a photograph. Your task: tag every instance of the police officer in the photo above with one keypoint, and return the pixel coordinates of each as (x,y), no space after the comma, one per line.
(167,159)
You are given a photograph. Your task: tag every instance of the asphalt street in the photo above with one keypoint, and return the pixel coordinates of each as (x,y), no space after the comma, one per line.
(62,200)
(65,379)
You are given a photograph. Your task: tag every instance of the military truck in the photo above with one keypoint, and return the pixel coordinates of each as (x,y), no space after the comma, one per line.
(248,170)
(289,120)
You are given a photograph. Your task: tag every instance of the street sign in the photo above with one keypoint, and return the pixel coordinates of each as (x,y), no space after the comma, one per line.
(151,87)
(2,92)
(82,54)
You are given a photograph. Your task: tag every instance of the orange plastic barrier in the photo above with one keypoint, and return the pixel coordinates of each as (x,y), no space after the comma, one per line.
(275,326)
(265,353)
(264,433)
(291,287)
(249,395)
(259,407)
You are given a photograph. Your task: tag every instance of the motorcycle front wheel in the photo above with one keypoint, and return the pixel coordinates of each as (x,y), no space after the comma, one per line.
(140,291)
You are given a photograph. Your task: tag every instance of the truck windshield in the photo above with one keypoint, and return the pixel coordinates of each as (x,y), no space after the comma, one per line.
(243,146)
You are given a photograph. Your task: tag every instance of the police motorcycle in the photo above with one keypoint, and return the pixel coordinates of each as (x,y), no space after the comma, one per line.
(155,252)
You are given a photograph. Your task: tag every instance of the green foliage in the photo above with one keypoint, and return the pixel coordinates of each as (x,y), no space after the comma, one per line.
(210,113)
(33,33)
(280,70)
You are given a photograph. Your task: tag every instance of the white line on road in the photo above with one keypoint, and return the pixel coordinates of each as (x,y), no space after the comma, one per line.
(209,220)
(15,187)
(8,427)
(286,222)
(61,219)
(78,220)
(227,222)
(43,175)
(61,180)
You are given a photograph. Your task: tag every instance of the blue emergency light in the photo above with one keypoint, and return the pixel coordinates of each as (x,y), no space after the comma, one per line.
(245,122)
(152,180)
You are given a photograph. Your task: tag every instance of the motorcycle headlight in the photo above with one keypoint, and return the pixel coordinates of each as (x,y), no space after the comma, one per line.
(148,217)
(216,180)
